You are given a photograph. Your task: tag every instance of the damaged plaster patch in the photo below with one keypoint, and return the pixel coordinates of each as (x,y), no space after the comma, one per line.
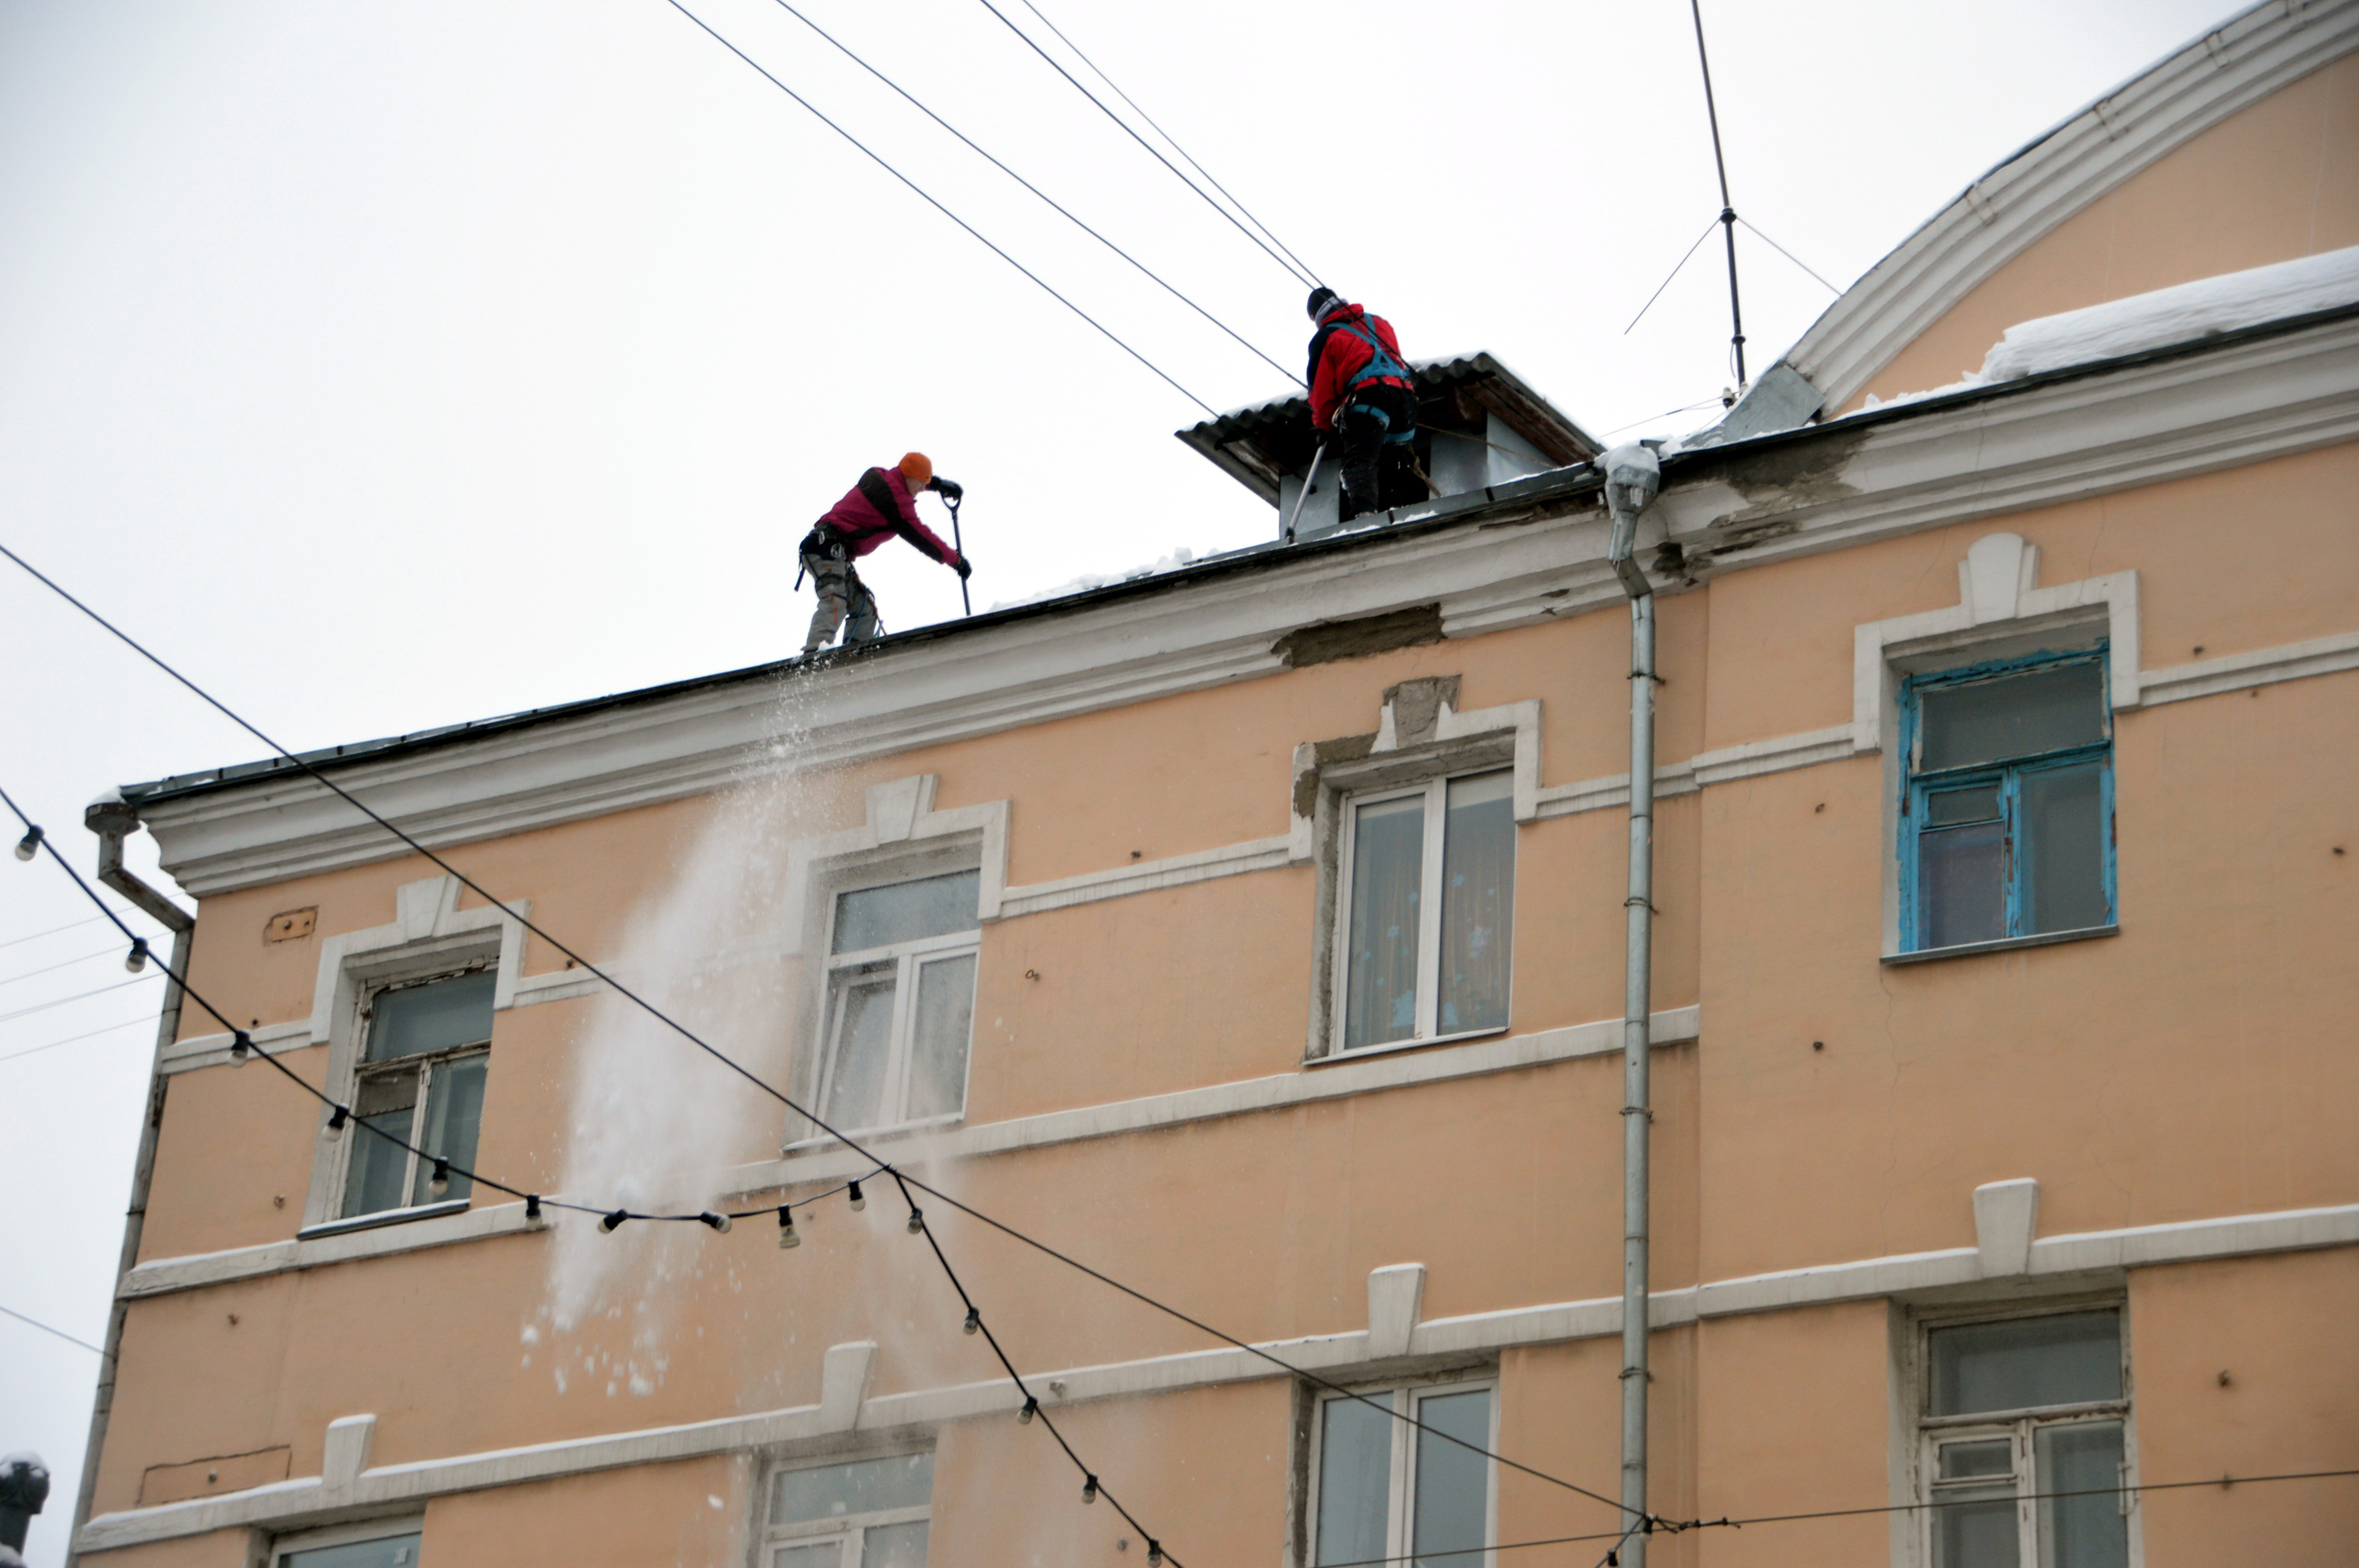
(1416,708)
(1787,478)
(1330,641)
(1325,754)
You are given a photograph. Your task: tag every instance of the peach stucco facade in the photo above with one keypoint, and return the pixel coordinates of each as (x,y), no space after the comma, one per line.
(2157,1108)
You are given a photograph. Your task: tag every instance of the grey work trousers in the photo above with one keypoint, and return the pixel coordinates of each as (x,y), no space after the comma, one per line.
(840,593)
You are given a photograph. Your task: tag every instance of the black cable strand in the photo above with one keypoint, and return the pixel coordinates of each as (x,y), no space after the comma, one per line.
(61,1334)
(2032,1498)
(1100,72)
(1093,1484)
(1299,275)
(945,211)
(1230,1339)
(1043,195)
(854,1145)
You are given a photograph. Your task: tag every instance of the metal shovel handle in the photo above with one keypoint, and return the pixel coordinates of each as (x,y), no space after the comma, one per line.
(1309,482)
(959,545)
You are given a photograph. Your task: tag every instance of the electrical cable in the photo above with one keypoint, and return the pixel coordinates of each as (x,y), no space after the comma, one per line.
(75,1039)
(1301,275)
(698,1040)
(79,995)
(1167,136)
(1036,191)
(64,964)
(2031,1497)
(945,211)
(52,931)
(1675,271)
(1683,409)
(45,1328)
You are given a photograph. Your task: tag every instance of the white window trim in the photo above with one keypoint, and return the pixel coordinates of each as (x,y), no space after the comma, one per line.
(908,959)
(1401,1477)
(1427,1028)
(1913,1533)
(430,936)
(769,1537)
(345,1535)
(1999,613)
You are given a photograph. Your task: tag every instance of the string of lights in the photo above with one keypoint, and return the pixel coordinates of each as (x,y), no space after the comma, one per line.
(1301,274)
(880,162)
(1156,278)
(1098,72)
(690,1035)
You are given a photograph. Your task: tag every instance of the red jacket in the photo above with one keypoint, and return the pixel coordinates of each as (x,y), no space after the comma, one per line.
(1336,357)
(876,509)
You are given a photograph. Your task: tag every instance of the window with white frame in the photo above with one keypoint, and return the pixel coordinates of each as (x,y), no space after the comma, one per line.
(352,1546)
(860,1513)
(1389,1489)
(421,1080)
(1426,899)
(2023,1443)
(2006,825)
(900,1003)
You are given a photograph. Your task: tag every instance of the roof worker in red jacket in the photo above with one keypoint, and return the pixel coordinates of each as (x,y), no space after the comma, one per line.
(884,503)
(1360,396)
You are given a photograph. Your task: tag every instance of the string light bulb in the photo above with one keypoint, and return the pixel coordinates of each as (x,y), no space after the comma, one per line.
(336,1120)
(532,1208)
(1089,1489)
(241,1046)
(858,1202)
(787,1237)
(917,1222)
(1154,1552)
(973,1318)
(30,845)
(1031,1408)
(611,1223)
(719,1222)
(438,1184)
(136,959)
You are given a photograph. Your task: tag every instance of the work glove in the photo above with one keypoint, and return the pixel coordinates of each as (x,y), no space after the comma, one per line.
(949,489)
(964,568)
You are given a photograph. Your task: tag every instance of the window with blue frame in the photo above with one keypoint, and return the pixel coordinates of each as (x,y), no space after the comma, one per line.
(2007,827)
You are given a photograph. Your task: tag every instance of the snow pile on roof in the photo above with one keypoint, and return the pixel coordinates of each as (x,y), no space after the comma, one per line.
(1181,556)
(2180,315)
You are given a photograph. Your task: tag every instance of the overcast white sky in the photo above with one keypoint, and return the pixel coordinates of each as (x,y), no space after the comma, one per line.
(393,364)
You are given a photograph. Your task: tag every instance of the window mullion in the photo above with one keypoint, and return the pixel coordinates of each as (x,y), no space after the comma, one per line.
(1429,915)
(896,1055)
(1397,1522)
(2027,1512)
(417,1134)
(2011,862)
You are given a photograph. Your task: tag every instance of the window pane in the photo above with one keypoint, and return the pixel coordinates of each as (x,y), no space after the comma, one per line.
(1962,885)
(863,1036)
(945,1023)
(1355,1458)
(2014,716)
(1454,1505)
(863,1487)
(392,1551)
(454,1115)
(1975,803)
(2063,849)
(2027,1362)
(894,1546)
(1478,902)
(456,1012)
(1380,955)
(373,1181)
(1976,1533)
(1967,1460)
(821,1555)
(2087,1532)
(907,911)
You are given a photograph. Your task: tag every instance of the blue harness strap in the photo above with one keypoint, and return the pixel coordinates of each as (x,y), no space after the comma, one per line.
(1381,362)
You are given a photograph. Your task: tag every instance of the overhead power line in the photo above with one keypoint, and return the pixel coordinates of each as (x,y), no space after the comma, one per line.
(945,211)
(1036,191)
(52,931)
(45,1328)
(78,996)
(75,1039)
(62,964)
(1299,275)
(1100,73)
(593,971)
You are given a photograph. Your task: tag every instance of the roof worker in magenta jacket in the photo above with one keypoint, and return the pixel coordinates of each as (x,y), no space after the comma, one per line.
(1361,392)
(884,503)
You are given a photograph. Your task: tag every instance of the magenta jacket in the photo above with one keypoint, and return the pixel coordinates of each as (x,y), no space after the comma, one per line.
(876,509)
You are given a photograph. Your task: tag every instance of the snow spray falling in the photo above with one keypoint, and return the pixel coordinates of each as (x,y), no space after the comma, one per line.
(656,1123)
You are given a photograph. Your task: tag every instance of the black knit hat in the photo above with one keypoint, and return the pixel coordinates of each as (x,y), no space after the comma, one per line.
(1322,300)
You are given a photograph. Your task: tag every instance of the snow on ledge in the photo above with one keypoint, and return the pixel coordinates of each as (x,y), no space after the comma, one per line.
(2159,319)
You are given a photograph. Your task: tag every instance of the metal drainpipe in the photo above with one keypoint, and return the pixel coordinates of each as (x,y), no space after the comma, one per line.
(1632,478)
(112,819)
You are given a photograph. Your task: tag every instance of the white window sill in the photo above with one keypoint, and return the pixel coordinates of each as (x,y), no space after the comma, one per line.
(381,1216)
(897,1132)
(1392,1047)
(2005,945)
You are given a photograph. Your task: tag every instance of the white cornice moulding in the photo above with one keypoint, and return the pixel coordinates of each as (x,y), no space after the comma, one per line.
(163,1276)
(1979,458)
(2014,206)
(288,1504)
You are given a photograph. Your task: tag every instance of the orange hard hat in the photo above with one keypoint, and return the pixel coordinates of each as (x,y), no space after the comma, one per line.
(917,469)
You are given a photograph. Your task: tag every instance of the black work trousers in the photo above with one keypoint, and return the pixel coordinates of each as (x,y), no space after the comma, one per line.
(1378,427)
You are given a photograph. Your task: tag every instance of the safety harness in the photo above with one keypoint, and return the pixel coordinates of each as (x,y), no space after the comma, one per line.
(1381,363)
